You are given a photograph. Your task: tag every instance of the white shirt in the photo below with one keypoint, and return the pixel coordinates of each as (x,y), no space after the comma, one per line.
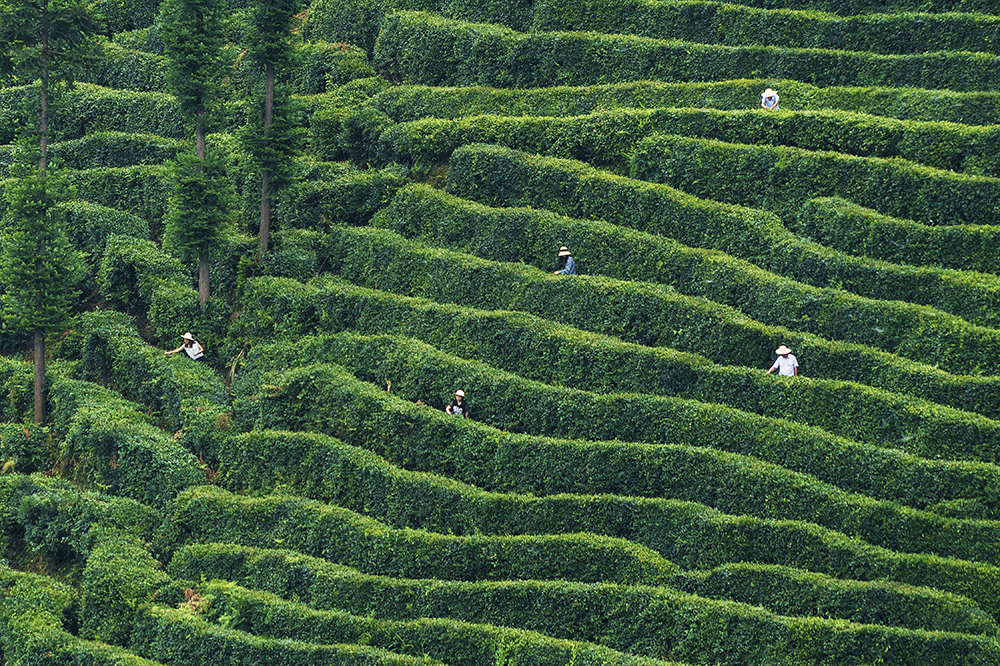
(786,365)
(194,351)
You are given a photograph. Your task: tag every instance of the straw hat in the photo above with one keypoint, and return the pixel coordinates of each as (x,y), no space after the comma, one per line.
(188,336)
(564,251)
(460,393)
(782,350)
(768,93)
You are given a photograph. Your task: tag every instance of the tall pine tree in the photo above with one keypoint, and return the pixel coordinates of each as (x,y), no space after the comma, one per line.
(270,145)
(192,42)
(48,40)
(40,269)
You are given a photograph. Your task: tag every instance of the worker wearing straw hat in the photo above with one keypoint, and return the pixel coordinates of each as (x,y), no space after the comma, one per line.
(190,346)
(569,268)
(769,100)
(459,406)
(786,364)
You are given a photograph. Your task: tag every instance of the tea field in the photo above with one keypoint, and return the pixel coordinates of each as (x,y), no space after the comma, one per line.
(356,206)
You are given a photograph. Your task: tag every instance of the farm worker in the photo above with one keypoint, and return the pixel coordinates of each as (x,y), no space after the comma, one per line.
(786,364)
(459,406)
(769,100)
(190,346)
(569,268)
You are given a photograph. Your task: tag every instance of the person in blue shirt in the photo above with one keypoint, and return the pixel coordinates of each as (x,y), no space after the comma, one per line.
(569,268)
(769,100)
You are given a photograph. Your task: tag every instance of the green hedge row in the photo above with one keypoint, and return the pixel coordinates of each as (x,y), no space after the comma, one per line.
(182,638)
(851,228)
(187,398)
(267,614)
(415,47)
(34,613)
(742,25)
(609,137)
(785,178)
(52,519)
(110,443)
(349,199)
(848,7)
(86,109)
(138,277)
(326,399)
(693,294)
(506,401)
(209,514)
(127,69)
(635,619)
(571,188)
(141,190)
(557,354)
(796,592)
(115,149)
(359,21)
(412,102)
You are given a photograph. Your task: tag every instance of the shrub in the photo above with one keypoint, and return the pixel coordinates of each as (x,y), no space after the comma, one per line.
(325,399)
(413,102)
(349,199)
(741,25)
(210,514)
(127,69)
(604,614)
(115,149)
(849,227)
(509,402)
(555,353)
(455,53)
(785,178)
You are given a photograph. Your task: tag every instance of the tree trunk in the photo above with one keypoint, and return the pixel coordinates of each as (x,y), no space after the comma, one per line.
(43,125)
(203,287)
(39,376)
(265,213)
(200,139)
(265,176)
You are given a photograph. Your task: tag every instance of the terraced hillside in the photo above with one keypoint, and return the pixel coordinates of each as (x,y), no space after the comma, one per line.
(631,487)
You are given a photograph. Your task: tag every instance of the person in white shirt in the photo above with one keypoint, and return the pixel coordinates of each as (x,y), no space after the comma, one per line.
(786,364)
(190,347)
(769,100)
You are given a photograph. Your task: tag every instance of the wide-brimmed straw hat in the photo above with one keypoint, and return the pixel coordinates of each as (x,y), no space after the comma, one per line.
(188,336)
(768,93)
(460,393)
(782,350)
(564,251)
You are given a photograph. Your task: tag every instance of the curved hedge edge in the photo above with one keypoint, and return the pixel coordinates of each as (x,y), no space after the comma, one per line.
(419,372)
(628,618)
(557,354)
(412,102)
(32,626)
(212,514)
(327,399)
(474,644)
(862,231)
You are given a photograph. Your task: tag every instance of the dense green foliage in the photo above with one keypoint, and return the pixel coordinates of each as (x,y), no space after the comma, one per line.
(379,193)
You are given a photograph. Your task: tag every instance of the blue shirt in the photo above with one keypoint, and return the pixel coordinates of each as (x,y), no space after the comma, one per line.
(570,268)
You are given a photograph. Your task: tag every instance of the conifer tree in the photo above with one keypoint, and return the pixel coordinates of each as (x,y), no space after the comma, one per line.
(192,42)
(40,269)
(199,212)
(47,39)
(271,145)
